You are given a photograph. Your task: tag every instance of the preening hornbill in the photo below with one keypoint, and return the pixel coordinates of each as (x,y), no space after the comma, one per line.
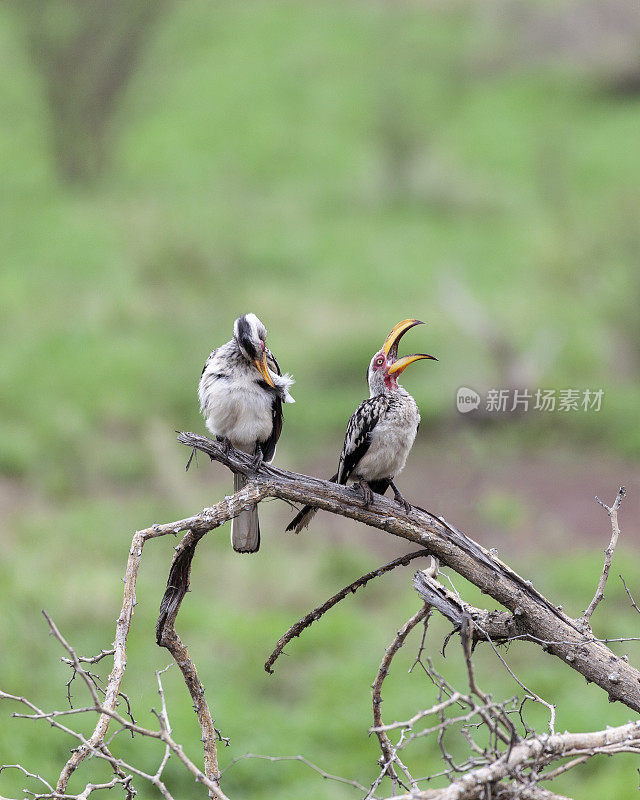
(381,430)
(241,393)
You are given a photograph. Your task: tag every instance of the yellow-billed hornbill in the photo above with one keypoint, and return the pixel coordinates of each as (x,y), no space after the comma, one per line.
(381,430)
(241,393)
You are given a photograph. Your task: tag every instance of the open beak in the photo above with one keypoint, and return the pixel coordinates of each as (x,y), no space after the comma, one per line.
(390,347)
(262,368)
(402,363)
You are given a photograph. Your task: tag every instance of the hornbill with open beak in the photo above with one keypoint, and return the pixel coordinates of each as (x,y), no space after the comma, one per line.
(241,393)
(381,430)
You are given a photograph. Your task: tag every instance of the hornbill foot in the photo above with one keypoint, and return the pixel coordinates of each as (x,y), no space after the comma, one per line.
(257,458)
(226,444)
(366,492)
(397,496)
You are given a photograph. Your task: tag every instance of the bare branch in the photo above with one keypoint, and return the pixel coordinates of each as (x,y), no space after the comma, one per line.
(500,625)
(163,735)
(120,654)
(173,643)
(28,774)
(492,711)
(497,763)
(91,659)
(275,759)
(538,616)
(313,616)
(537,750)
(626,588)
(389,755)
(196,526)
(517,791)
(608,554)
(435,709)
(177,586)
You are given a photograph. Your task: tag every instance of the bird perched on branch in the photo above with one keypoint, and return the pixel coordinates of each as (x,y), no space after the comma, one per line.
(381,430)
(241,394)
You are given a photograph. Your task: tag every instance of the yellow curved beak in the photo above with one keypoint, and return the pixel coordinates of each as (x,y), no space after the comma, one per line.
(262,368)
(397,332)
(402,363)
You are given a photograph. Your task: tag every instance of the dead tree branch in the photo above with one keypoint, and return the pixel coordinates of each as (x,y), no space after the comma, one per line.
(536,752)
(119,765)
(499,625)
(389,753)
(608,554)
(328,776)
(196,526)
(629,595)
(119,659)
(313,616)
(538,617)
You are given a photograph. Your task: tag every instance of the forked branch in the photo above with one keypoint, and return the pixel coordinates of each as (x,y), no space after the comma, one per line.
(540,620)
(612,511)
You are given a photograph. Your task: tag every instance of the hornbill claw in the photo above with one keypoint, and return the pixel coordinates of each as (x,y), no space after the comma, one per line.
(367,494)
(257,458)
(226,444)
(397,496)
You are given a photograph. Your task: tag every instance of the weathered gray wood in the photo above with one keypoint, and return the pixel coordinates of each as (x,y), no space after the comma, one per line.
(544,623)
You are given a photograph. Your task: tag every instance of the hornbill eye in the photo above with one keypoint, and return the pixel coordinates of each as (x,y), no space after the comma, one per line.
(379,361)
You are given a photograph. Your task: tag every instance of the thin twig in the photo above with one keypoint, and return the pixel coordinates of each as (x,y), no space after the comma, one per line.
(612,511)
(319,611)
(388,755)
(120,658)
(28,774)
(633,602)
(466,638)
(530,693)
(275,759)
(417,717)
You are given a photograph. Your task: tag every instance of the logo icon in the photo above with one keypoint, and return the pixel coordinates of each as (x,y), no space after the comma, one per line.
(467,399)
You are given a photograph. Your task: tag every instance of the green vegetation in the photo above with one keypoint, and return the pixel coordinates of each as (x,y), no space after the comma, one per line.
(329,167)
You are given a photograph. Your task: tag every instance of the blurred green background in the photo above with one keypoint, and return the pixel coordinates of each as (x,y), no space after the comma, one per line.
(333,168)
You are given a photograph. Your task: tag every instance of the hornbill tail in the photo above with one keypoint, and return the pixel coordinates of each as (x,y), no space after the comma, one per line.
(304,517)
(245,528)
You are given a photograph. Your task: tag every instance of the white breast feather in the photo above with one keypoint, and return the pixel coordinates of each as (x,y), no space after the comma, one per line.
(391,442)
(235,407)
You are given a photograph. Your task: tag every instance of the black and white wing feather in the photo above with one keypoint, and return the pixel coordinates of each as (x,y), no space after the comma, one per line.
(358,436)
(357,441)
